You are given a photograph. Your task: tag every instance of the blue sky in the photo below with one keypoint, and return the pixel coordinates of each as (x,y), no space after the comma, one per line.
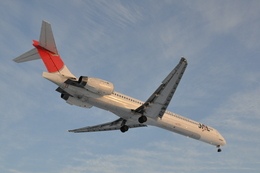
(133,44)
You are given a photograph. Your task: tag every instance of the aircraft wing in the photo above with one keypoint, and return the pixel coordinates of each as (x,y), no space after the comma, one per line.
(158,102)
(114,125)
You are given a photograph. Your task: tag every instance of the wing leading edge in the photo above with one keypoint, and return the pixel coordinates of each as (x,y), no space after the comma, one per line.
(114,125)
(158,102)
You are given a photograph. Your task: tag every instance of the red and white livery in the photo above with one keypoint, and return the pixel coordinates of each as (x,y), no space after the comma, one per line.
(89,91)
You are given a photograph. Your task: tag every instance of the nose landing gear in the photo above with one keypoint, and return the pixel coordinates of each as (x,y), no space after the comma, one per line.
(219,149)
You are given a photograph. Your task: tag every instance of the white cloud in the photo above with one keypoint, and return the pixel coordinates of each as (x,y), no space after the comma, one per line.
(229,17)
(220,16)
(240,108)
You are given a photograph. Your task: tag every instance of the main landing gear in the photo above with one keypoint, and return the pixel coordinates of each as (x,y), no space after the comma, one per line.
(142,119)
(124,128)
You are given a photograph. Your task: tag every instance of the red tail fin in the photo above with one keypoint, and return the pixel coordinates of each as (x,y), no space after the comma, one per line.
(52,61)
(47,51)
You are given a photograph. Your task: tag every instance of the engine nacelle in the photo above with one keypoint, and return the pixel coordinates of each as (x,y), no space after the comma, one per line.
(96,85)
(77,102)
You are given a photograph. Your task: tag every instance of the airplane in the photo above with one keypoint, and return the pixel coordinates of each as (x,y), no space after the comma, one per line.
(88,91)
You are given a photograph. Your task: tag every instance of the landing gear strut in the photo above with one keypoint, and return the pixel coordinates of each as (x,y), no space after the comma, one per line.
(142,119)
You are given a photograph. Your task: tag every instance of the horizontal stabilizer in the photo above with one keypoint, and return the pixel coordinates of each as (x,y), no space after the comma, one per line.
(28,56)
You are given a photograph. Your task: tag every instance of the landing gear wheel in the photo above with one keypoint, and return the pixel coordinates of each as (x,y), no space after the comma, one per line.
(124,128)
(142,119)
(219,150)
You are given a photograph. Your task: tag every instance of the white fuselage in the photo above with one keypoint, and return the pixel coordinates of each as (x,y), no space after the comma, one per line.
(87,92)
(121,105)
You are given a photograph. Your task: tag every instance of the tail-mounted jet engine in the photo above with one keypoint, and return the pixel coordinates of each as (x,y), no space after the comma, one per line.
(96,85)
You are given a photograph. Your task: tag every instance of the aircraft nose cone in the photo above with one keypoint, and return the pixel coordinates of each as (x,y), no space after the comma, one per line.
(224,142)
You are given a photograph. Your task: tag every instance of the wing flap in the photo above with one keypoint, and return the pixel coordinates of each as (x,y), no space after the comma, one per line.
(158,102)
(114,125)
